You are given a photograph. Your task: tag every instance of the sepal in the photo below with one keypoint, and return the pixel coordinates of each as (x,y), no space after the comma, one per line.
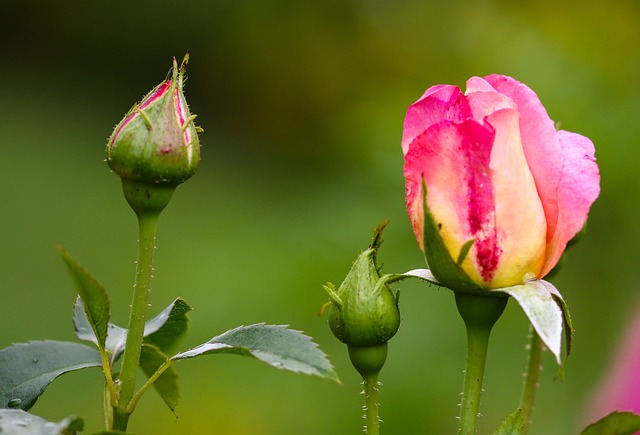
(548,313)
(447,270)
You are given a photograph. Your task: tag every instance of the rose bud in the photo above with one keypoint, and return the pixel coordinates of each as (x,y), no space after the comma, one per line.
(364,312)
(156,146)
(505,192)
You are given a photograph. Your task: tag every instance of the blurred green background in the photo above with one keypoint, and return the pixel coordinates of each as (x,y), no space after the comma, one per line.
(302,104)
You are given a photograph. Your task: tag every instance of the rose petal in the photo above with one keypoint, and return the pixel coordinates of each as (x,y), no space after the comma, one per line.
(519,213)
(438,103)
(578,188)
(539,141)
(484,100)
(454,161)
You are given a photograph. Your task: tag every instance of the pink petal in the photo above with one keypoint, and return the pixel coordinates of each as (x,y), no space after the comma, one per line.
(578,188)
(540,144)
(438,103)
(519,215)
(454,161)
(484,100)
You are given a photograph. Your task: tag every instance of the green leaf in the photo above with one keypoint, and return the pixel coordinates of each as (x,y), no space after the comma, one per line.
(513,425)
(116,336)
(538,299)
(16,422)
(273,344)
(26,369)
(166,385)
(94,297)
(164,330)
(616,423)
(167,328)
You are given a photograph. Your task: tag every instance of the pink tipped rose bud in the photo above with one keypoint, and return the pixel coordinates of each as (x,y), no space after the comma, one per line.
(505,191)
(157,141)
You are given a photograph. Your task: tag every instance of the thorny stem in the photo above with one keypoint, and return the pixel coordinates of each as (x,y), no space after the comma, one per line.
(479,313)
(368,361)
(531,378)
(147,223)
(372,417)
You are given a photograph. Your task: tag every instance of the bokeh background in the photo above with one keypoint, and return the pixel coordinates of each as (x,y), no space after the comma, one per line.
(302,104)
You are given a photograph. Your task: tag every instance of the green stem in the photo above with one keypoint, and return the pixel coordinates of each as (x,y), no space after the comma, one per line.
(109,385)
(110,392)
(108,407)
(531,379)
(136,397)
(371,404)
(147,223)
(479,313)
(368,361)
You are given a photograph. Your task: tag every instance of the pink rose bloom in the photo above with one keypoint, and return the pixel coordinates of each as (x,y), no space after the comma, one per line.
(620,388)
(496,172)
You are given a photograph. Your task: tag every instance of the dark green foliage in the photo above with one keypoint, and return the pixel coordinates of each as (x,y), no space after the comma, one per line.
(277,346)
(94,297)
(616,423)
(15,421)
(512,425)
(27,368)
(166,385)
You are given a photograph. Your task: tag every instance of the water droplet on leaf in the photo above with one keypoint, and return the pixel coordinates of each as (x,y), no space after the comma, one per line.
(14,403)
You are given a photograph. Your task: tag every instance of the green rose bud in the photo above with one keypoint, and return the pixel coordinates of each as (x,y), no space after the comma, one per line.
(156,146)
(364,312)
